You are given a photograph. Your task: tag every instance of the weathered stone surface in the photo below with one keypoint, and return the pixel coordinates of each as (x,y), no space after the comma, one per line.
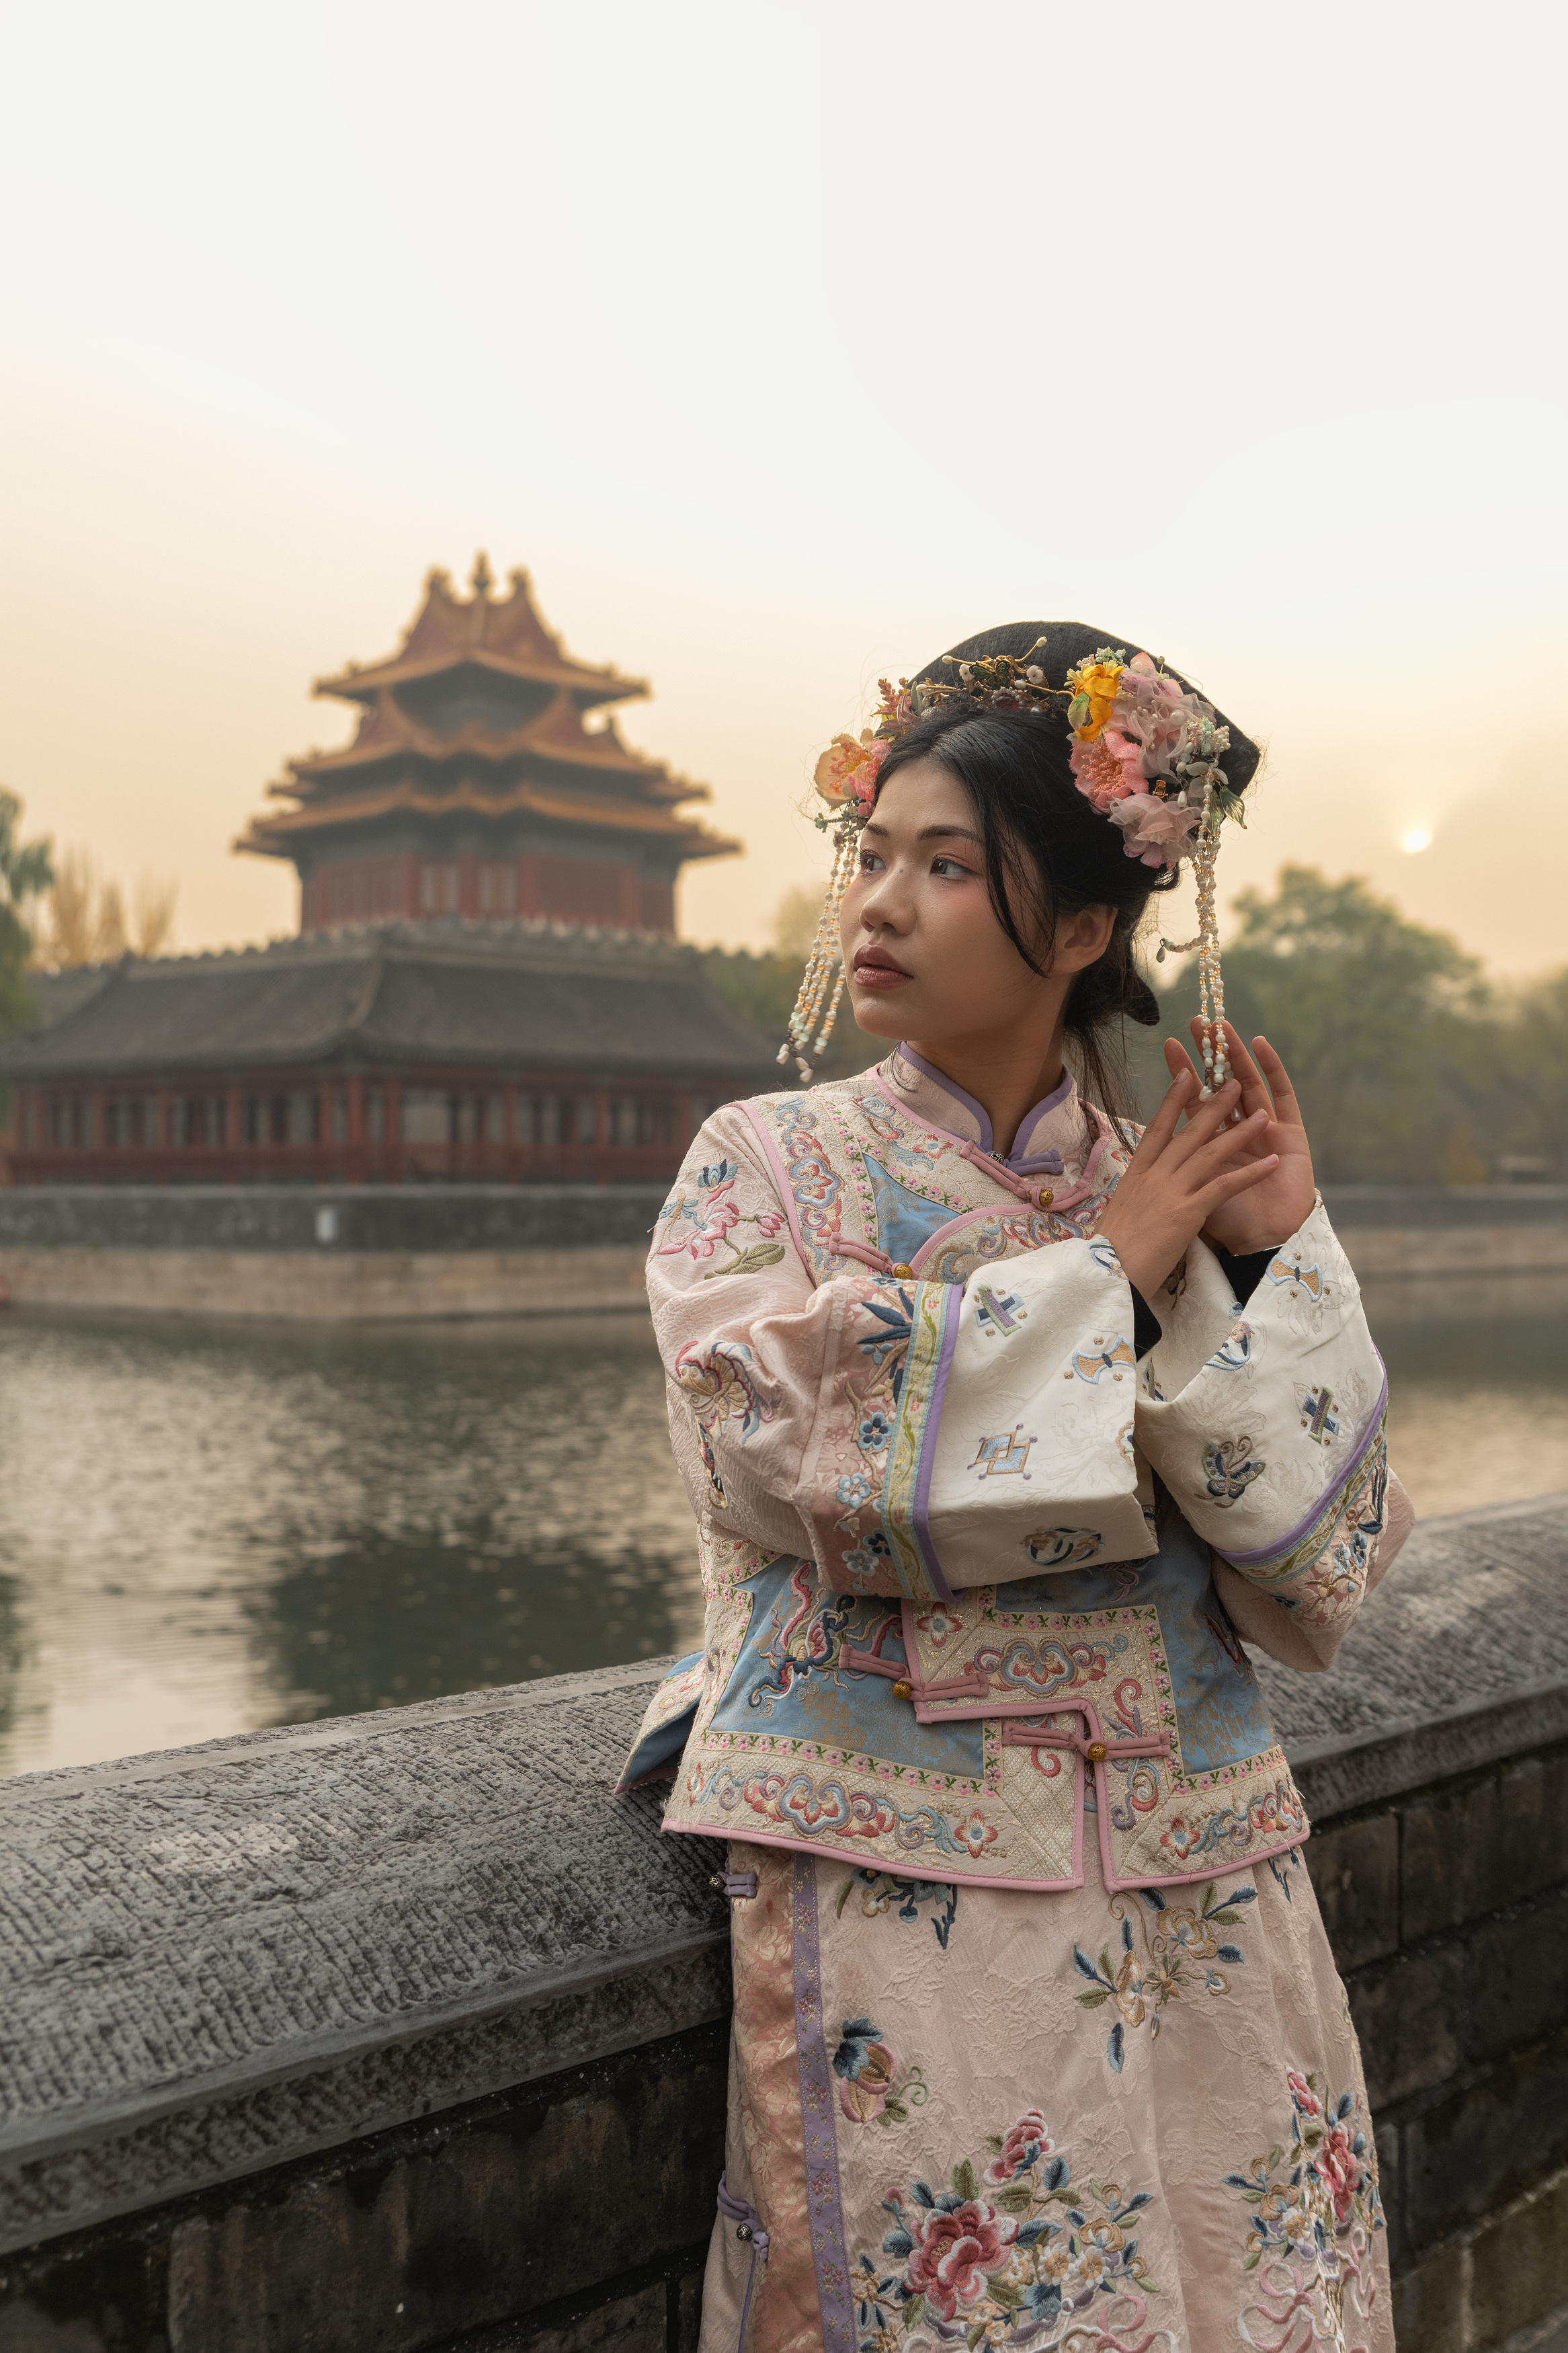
(1429,2304)
(214,1959)
(1510,2004)
(1517,2263)
(481,2227)
(1410,2016)
(330,1286)
(1484,2142)
(371,1218)
(1356,1875)
(633,2324)
(529,2202)
(1471,1849)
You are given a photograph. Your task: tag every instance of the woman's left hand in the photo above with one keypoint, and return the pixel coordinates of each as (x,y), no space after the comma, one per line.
(1268,1212)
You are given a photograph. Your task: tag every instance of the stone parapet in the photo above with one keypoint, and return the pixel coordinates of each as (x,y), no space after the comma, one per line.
(329,1286)
(400,2032)
(321,1221)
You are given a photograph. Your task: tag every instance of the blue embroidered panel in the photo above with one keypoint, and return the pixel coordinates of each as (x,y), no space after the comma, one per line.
(788,1682)
(663,1741)
(1220,1708)
(904,1219)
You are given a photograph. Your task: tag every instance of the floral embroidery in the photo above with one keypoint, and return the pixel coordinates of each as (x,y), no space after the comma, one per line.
(704,1224)
(1016,2259)
(867,2066)
(874,1433)
(938,1624)
(865,1559)
(1315,2207)
(855,1488)
(879,1891)
(723,1385)
(1174,1952)
(828,1808)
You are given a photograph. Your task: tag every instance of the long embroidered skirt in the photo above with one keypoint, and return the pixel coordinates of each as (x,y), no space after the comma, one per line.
(1079,2122)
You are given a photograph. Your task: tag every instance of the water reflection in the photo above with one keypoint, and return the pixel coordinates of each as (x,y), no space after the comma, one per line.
(208,1528)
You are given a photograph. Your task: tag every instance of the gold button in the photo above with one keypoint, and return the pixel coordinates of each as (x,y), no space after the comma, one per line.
(904,1273)
(1046,1198)
(903,1691)
(1095,1752)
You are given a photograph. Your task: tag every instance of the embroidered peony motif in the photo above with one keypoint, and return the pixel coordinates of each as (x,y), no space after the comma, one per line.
(1010,2259)
(1176,1951)
(1315,2209)
(721,1385)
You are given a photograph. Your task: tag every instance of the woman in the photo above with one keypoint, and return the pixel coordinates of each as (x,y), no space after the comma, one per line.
(1001,1427)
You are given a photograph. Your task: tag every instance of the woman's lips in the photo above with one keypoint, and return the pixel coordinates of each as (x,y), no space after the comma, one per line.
(875,971)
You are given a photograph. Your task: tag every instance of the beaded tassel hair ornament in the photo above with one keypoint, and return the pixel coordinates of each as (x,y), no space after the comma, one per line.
(1145,753)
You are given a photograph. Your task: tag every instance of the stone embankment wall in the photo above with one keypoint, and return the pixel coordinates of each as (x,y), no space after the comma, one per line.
(374,1252)
(398,2034)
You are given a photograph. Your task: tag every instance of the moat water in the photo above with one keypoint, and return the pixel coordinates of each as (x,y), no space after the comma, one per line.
(209,1528)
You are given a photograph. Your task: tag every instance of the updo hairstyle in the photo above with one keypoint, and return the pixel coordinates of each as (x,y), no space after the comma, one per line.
(1048,852)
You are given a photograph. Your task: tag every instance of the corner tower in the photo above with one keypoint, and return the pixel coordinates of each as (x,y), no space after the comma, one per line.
(473,788)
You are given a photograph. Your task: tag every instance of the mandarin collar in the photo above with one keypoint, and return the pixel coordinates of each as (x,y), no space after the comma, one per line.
(1049,1136)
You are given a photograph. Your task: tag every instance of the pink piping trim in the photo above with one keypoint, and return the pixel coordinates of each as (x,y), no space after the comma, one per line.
(981,1879)
(842,1247)
(970,1686)
(1022,1735)
(1000,1174)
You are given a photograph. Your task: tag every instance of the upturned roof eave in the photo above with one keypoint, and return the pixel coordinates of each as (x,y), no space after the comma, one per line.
(530,742)
(599,686)
(269,835)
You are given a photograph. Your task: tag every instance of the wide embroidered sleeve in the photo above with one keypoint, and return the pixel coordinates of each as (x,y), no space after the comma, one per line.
(1012,1450)
(782,1393)
(1265,1419)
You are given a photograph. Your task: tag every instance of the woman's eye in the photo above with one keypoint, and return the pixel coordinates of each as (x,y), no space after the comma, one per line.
(870,861)
(948,869)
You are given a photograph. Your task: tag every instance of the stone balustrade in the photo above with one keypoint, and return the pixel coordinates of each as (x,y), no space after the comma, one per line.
(374,1252)
(399,2034)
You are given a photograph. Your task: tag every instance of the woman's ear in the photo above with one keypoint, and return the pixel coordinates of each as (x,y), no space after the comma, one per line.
(1082,938)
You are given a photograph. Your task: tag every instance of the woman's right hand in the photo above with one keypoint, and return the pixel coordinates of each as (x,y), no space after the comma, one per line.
(1174,1181)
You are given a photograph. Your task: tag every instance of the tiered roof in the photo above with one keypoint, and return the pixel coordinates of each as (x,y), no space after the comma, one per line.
(481,711)
(532,994)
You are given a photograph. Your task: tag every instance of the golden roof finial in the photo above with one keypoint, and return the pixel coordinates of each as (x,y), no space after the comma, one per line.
(484,580)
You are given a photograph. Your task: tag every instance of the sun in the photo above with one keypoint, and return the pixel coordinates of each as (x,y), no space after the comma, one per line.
(1415,837)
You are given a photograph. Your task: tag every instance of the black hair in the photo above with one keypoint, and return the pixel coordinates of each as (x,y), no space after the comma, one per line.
(1048,852)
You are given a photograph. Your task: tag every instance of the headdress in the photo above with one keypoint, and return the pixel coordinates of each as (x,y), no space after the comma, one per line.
(1145,753)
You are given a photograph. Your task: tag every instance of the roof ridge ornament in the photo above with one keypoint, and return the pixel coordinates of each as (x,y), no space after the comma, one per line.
(482,579)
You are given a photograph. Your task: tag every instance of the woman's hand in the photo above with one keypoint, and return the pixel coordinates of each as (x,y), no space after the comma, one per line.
(1268,1212)
(1176,1185)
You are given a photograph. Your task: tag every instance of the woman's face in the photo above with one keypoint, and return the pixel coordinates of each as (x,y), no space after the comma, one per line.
(926,957)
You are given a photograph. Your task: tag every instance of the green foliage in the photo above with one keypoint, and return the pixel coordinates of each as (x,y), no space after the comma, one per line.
(761,988)
(25,873)
(1407,1064)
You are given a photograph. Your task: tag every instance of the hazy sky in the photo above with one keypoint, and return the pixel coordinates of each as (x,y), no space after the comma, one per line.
(785,345)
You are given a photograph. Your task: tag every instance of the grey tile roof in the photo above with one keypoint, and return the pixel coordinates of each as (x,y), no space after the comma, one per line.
(536,994)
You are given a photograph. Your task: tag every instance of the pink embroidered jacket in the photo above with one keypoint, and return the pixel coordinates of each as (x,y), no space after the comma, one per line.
(975,1563)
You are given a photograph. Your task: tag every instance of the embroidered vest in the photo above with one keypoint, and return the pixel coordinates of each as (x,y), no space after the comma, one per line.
(967,1735)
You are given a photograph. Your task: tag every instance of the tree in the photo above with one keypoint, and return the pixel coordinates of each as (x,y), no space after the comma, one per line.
(84,920)
(1377,1019)
(1534,1055)
(25,872)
